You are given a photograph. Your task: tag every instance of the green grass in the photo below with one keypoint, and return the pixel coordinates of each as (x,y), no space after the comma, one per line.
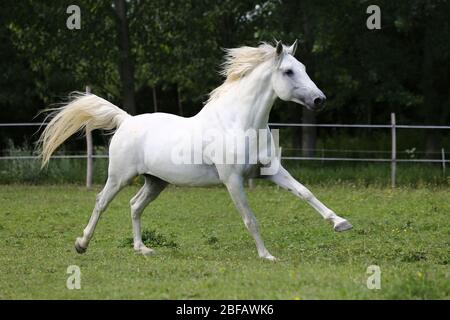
(204,251)
(363,174)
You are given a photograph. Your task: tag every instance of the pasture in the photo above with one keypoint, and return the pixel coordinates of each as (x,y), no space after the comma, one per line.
(204,251)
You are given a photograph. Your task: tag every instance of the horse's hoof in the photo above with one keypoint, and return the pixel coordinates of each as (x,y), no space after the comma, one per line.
(343,226)
(145,251)
(79,248)
(269,257)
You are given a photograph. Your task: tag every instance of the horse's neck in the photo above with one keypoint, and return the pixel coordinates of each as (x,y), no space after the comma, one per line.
(248,103)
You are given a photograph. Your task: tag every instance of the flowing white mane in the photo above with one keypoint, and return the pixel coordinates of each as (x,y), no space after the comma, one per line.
(239,62)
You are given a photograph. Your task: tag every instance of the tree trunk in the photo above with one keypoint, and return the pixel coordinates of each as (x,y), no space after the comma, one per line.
(433,144)
(155,100)
(180,105)
(294,115)
(431,100)
(309,134)
(126,62)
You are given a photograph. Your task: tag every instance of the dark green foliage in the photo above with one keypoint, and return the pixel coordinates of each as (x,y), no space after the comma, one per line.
(176,48)
(151,238)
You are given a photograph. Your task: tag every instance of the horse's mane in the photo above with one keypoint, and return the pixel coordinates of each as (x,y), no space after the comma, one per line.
(239,62)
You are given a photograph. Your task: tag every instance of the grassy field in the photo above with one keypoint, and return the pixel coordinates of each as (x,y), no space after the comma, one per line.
(204,251)
(73,171)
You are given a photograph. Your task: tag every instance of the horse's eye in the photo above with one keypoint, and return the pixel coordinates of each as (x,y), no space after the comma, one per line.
(289,72)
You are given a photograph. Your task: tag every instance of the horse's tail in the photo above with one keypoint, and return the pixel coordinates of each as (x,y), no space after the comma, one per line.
(84,111)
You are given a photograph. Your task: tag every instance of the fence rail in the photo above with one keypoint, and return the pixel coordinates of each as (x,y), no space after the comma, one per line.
(393,152)
(365,159)
(279,124)
(374,126)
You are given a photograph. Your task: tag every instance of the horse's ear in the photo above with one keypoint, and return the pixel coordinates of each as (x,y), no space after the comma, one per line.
(279,49)
(293,48)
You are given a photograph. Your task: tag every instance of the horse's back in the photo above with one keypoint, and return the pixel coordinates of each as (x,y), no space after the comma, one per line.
(148,143)
(155,119)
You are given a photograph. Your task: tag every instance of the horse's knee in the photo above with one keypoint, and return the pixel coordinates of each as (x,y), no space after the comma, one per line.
(135,212)
(133,203)
(137,203)
(98,197)
(100,204)
(305,194)
(250,223)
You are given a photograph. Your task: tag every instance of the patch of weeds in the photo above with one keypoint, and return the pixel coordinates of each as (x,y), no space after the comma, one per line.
(363,232)
(416,286)
(151,238)
(414,256)
(210,239)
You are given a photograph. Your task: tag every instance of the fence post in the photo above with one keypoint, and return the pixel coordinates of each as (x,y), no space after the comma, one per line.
(443,161)
(393,151)
(89,153)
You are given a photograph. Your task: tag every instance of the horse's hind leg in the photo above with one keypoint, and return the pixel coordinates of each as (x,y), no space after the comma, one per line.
(112,187)
(149,192)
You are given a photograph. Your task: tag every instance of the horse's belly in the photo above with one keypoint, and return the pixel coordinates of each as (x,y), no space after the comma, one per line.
(185,174)
(161,144)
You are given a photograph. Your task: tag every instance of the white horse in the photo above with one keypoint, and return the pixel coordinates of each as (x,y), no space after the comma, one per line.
(143,144)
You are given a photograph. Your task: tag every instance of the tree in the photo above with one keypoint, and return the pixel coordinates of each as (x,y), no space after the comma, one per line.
(166,54)
(126,61)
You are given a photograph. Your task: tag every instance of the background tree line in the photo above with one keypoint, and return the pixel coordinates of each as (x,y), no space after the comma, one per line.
(159,55)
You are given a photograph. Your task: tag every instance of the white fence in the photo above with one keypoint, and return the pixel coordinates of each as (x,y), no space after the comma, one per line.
(393,152)
(393,159)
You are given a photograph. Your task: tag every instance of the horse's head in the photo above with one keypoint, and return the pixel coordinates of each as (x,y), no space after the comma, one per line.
(291,82)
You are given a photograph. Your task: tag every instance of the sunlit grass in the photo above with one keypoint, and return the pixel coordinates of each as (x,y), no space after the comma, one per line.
(404,231)
(363,174)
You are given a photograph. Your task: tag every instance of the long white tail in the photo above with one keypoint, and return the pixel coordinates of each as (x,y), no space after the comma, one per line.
(85,111)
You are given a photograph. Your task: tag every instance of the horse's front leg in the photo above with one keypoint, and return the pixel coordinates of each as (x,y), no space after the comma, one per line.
(286,181)
(235,187)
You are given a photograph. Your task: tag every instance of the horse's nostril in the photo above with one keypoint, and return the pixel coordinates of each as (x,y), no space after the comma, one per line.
(318,102)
